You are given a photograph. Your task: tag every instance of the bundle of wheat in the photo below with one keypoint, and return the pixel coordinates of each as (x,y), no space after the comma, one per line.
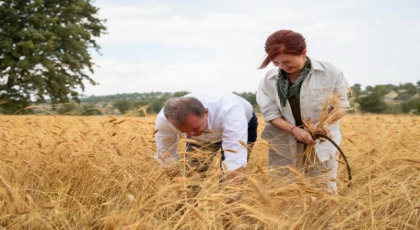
(331,112)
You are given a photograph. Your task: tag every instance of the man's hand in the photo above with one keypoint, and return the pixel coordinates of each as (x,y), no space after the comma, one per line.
(173,171)
(236,176)
(235,180)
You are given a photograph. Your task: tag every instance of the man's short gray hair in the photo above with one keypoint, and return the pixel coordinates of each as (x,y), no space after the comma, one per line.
(177,109)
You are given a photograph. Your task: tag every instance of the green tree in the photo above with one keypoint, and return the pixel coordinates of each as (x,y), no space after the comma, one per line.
(44,50)
(381,90)
(123,105)
(68,108)
(250,97)
(88,109)
(369,88)
(180,93)
(139,103)
(391,87)
(412,105)
(157,104)
(356,90)
(371,103)
(410,88)
(418,88)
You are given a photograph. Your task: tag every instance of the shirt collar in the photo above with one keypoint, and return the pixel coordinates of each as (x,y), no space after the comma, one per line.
(316,65)
(208,122)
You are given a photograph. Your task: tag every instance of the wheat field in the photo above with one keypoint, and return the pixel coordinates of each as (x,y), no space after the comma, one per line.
(60,172)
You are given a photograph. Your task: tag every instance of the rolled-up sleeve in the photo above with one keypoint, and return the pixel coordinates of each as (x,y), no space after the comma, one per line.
(166,142)
(235,129)
(267,104)
(342,88)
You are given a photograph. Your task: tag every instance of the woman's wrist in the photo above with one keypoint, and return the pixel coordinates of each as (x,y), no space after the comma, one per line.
(291,129)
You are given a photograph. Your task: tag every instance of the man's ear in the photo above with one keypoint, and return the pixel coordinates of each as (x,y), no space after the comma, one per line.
(207,111)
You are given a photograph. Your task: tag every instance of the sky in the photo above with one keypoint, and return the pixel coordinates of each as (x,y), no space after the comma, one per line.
(186,45)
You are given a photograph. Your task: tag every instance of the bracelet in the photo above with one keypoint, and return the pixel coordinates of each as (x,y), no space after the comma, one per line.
(292,129)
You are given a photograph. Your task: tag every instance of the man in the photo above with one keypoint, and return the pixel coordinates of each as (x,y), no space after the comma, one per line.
(216,120)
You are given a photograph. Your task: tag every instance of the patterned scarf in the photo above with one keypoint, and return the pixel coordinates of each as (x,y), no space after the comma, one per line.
(283,83)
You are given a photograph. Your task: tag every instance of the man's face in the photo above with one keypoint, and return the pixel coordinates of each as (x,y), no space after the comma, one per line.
(194,125)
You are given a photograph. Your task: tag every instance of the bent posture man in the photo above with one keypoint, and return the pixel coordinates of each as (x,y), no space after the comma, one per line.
(225,120)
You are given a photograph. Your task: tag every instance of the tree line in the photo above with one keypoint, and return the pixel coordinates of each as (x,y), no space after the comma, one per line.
(134,104)
(387,99)
(379,99)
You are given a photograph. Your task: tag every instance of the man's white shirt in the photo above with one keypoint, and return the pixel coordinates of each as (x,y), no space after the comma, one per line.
(228,119)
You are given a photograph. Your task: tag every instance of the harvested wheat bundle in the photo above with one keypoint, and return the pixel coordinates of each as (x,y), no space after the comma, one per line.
(330,114)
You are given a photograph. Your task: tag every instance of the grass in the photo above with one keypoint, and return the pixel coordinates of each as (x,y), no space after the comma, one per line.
(60,172)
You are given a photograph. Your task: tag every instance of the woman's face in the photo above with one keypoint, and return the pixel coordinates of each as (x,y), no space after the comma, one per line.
(290,63)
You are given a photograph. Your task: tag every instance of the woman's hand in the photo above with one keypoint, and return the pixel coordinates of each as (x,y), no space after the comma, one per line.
(302,136)
(298,133)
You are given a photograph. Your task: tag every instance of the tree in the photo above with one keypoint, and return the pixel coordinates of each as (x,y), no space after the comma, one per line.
(371,103)
(381,90)
(418,88)
(411,105)
(369,88)
(89,110)
(391,87)
(410,88)
(180,94)
(157,104)
(250,97)
(140,103)
(123,105)
(44,50)
(356,90)
(68,108)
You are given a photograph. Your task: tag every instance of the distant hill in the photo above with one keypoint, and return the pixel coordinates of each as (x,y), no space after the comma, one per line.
(128,96)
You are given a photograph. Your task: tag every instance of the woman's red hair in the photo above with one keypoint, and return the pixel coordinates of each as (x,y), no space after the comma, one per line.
(283,42)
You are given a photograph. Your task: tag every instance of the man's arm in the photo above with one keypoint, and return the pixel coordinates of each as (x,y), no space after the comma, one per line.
(166,144)
(235,131)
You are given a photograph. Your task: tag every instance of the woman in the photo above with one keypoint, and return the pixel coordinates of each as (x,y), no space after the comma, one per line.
(296,90)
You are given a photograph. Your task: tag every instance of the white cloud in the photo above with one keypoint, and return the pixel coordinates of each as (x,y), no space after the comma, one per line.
(344,33)
(214,31)
(118,77)
(115,12)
